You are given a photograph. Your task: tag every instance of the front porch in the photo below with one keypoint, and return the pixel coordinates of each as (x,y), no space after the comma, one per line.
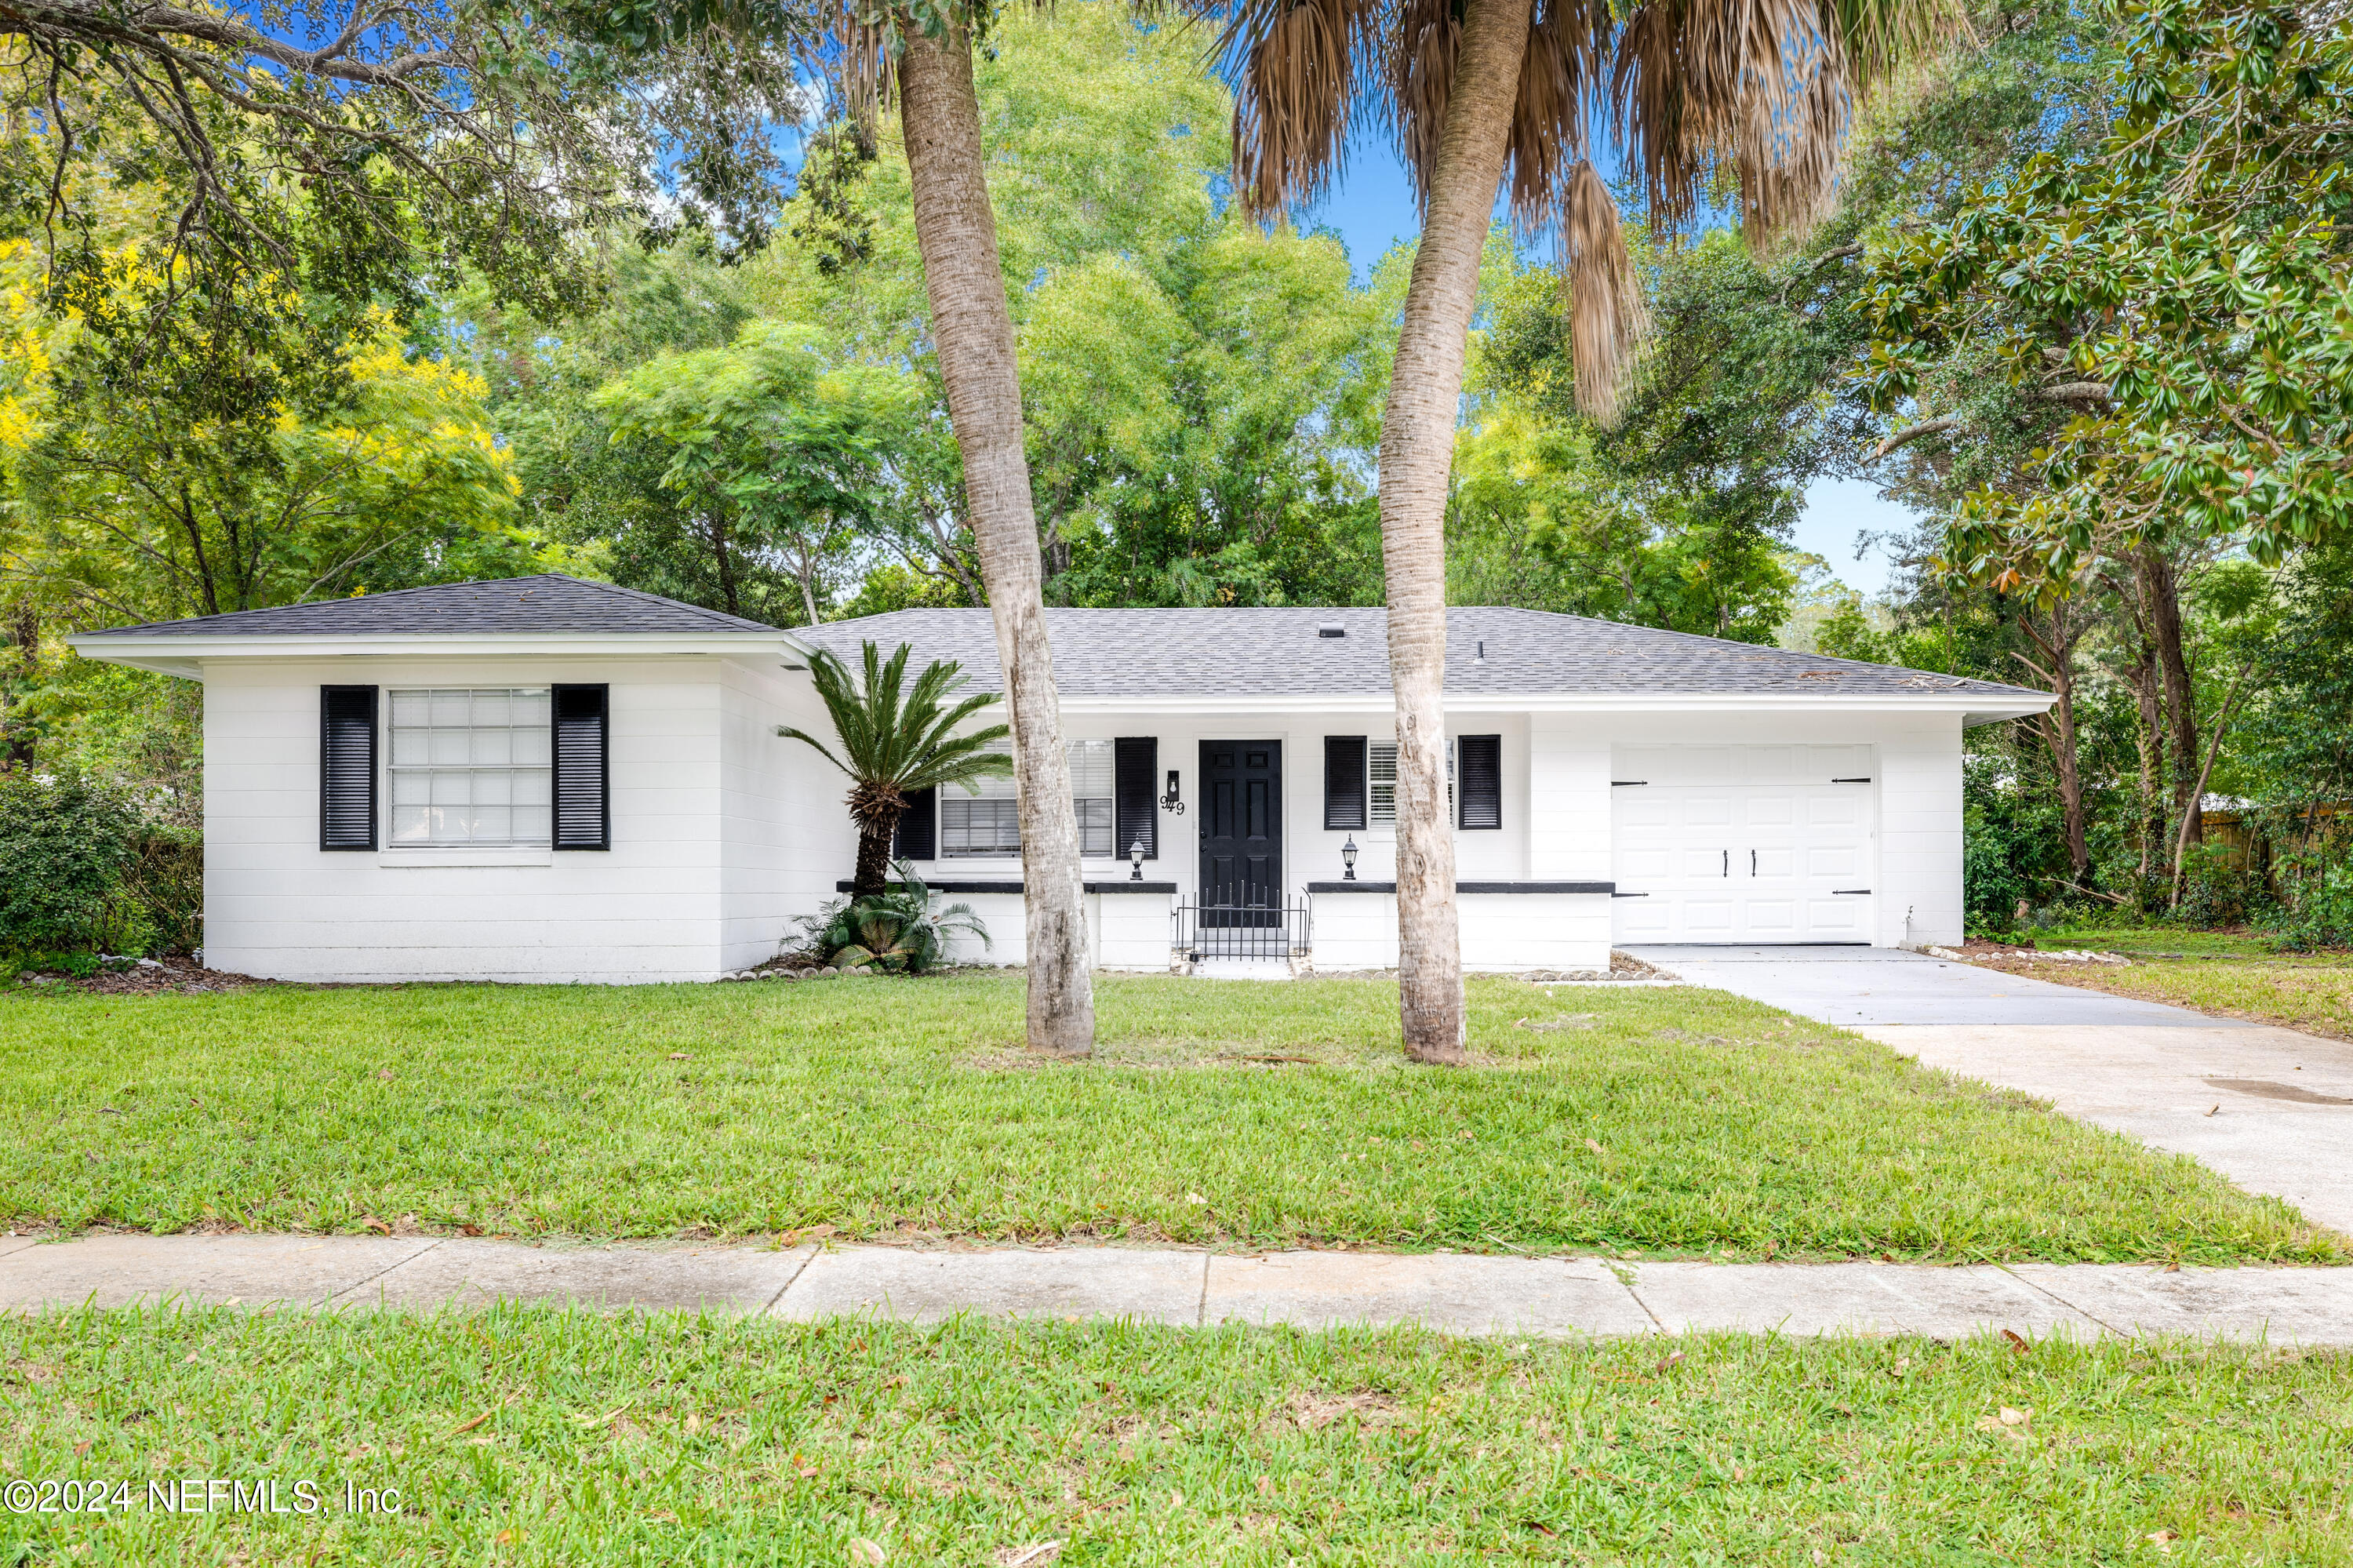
(1144,926)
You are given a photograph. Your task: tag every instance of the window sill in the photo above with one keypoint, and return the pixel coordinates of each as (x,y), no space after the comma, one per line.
(451,855)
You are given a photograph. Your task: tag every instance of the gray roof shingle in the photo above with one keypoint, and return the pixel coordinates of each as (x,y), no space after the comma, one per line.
(1278,652)
(548,603)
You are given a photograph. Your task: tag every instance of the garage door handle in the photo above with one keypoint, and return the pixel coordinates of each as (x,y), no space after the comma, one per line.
(1727,863)
(1752,862)
(1838,891)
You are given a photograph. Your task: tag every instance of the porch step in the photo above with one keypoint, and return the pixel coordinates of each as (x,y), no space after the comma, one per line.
(1242,969)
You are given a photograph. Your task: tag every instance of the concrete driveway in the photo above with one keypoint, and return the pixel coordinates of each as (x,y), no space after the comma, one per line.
(2271,1108)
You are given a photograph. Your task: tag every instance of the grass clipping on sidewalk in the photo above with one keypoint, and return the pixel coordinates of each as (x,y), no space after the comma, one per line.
(539,1436)
(1650,1121)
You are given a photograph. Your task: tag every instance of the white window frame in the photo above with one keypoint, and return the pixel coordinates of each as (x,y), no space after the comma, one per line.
(1092,764)
(1380,793)
(506,767)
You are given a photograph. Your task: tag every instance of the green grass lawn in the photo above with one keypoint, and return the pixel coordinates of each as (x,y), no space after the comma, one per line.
(2229,974)
(2167,941)
(522,1436)
(1650,1121)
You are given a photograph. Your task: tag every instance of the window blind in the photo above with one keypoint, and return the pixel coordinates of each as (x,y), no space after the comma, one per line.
(1136,764)
(1482,793)
(347,768)
(584,818)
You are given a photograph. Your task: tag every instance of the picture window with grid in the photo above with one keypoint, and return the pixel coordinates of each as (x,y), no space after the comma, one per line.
(471,767)
(988,824)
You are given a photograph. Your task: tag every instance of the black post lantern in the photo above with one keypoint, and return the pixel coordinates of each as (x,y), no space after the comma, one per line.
(1136,860)
(1348,859)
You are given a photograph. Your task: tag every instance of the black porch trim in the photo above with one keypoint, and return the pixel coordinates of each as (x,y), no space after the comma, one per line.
(844,886)
(1470,887)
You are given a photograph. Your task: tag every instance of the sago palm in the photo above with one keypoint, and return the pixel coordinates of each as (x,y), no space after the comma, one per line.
(897,740)
(1474,92)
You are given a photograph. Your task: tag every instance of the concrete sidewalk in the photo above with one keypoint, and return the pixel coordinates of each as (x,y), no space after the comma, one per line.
(1454,1292)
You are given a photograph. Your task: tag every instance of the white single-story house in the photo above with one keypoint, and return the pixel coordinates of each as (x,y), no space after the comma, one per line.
(544,778)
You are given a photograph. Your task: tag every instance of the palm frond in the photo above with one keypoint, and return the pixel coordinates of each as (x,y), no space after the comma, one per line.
(1295,66)
(1605,298)
(895,737)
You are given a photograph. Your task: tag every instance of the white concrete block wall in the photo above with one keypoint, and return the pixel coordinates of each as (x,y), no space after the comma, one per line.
(1919,884)
(787,831)
(1509,932)
(1002,915)
(1132,930)
(1354,931)
(279,906)
(1568,797)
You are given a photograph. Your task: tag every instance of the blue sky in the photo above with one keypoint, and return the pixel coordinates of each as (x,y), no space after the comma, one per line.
(1372,208)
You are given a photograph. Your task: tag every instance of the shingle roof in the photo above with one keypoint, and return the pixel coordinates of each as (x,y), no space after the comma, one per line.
(1278,652)
(548,603)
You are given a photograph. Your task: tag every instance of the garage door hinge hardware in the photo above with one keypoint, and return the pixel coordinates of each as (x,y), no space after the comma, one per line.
(1622,783)
(1850,780)
(1839,890)
(1629,896)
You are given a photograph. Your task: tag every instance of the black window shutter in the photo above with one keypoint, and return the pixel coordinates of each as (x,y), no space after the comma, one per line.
(584,817)
(1343,781)
(347,768)
(918,827)
(1483,780)
(1135,769)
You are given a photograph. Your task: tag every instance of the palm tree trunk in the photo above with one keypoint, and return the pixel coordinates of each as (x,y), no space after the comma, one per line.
(873,871)
(972,331)
(1417,459)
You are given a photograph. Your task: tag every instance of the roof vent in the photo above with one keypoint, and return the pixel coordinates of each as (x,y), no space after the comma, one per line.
(1330,628)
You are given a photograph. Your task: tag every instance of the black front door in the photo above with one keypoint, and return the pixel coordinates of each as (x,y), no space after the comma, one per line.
(1242,832)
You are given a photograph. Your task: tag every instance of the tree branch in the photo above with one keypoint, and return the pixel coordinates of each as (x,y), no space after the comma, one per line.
(1906,437)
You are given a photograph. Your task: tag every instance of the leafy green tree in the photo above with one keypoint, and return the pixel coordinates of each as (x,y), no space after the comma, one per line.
(773,454)
(314,162)
(129,513)
(897,740)
(2133,363)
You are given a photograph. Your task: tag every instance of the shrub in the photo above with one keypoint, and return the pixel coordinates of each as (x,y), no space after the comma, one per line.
(164,889)
(2214,888)
(67,844)
(2321,912)
(895,931)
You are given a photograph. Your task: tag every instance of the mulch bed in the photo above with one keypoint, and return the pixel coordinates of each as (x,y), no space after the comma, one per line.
(177,972)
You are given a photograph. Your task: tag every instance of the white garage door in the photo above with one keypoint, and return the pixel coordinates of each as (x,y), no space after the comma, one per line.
(1742,843)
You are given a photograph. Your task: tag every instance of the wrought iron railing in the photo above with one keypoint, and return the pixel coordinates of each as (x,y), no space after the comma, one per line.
(1242,922)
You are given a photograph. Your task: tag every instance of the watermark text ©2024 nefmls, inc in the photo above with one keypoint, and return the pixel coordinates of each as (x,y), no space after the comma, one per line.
(198,1495)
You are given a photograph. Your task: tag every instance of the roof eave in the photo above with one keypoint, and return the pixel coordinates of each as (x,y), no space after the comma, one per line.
(1978,707)
(184,654)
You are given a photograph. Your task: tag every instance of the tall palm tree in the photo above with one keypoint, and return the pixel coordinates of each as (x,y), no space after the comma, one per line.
(924,54)
(1476,90)
(897,740)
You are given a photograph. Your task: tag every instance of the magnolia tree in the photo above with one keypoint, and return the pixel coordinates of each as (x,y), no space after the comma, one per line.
(2172,316)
